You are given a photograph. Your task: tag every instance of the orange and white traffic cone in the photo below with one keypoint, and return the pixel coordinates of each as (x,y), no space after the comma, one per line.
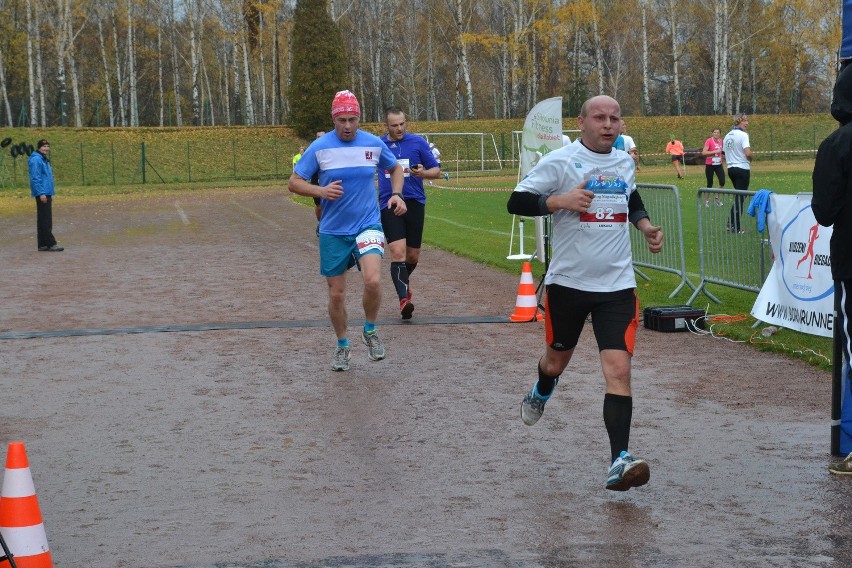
(526,306)
(20,517)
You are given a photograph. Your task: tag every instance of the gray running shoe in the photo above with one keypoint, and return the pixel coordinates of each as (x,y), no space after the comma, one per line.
(341,359)
(376,351)
(532,407)
(626,472)
(842,467)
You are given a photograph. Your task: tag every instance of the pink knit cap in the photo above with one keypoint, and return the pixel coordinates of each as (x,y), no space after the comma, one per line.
(345,103)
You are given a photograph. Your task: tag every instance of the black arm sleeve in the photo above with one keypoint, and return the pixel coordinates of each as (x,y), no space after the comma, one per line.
(636,209)
(527,204)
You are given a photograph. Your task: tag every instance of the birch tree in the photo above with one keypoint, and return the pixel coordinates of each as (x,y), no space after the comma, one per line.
(105,62)
(175,65)
(3,90)
(646,76)
(31,36)
(131,65)
(119,79)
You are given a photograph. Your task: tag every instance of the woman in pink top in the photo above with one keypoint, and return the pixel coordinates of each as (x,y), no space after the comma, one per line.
(713,163)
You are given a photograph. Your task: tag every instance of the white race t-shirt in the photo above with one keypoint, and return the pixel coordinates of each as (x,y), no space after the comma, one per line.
(591,251)
(629,144)
(736,141)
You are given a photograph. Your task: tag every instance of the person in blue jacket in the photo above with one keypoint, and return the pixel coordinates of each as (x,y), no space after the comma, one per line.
(404,233)
(42,189)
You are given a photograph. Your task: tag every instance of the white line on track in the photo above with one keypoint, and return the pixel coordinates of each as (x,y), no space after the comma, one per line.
(181,214)
(460,225)
(257,215)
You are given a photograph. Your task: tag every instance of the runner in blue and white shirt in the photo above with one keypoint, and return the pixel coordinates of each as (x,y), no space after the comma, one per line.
(590,190)
(350,229)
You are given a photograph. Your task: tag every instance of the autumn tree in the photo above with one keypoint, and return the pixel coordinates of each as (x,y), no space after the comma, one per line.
(318,68)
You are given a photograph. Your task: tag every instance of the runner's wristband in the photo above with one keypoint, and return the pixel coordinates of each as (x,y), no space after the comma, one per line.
(397,194)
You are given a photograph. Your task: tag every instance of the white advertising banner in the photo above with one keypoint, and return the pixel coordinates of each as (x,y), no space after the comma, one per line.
(542,133)
(799,292)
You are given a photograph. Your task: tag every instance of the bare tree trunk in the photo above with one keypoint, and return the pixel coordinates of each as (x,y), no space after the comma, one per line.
(753,82)
(724,61)
(3,91)
(464,64)
(276,75)
(62,35)
(515,62)
(212,121)
(717,41)
(247,77)
(160,83)
(30,36)
(238,107)
(432,101)
(536,71)
(42,104)
(131,66)
(599,60)
(75,88)
(175,69)
(193,58)
(226,100)
(107,86)
(505,88)
(264,107)
(122,114)
(675,54)
(646,76)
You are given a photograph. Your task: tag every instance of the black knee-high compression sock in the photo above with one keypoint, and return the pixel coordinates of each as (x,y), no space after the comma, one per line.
(546,384)
(399,276)
(617,414)
(410,266)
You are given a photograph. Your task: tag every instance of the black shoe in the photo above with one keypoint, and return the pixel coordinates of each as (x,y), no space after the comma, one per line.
(43,248)
(56,248)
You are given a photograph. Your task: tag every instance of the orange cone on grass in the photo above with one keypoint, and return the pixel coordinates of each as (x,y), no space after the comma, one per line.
(20,517)
(526,306)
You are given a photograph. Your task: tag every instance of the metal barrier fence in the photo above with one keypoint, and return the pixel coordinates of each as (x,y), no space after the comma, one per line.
(731,252)
(663,205)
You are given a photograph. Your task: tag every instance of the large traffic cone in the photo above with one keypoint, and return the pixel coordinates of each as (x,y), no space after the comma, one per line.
(526,306)
(20,517)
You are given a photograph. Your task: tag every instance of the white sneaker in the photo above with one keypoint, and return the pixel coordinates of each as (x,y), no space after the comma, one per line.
(340,362)
(375,349)
(626,472)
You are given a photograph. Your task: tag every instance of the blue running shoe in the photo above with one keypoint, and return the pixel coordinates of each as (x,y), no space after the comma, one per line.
(626,472)
(532,407)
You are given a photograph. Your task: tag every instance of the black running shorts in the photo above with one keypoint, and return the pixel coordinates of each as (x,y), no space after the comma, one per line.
(615,317)
(408,226)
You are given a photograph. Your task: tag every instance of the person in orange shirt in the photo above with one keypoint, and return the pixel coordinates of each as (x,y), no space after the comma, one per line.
(675,148)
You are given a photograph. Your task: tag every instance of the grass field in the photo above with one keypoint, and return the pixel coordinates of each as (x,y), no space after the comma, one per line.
(474,224)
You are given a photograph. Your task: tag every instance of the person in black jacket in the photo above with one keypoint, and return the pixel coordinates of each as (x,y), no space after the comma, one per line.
(832,205)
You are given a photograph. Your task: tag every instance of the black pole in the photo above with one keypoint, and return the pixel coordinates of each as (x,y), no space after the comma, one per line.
(837,368)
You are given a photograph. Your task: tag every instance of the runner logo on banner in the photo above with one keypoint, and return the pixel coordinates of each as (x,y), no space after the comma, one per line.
(799,291)
(542,133)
